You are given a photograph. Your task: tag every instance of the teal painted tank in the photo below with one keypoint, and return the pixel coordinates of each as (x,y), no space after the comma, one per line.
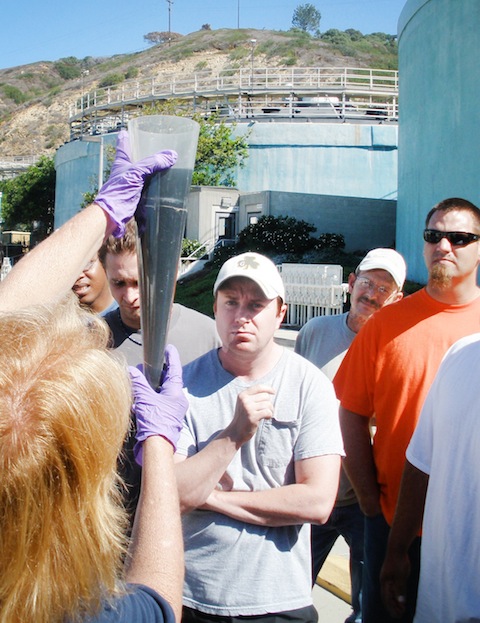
(439,119)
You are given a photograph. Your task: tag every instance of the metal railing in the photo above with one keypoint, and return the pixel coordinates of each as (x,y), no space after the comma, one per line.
(10,166)
(244,93)
(312,290)
(5,268)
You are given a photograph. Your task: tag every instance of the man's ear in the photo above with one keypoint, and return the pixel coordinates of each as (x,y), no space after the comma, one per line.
(352,277)
(281,314)
(398,297)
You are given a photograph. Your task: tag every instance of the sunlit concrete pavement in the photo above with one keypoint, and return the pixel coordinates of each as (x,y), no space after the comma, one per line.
(286,337)
(330,603)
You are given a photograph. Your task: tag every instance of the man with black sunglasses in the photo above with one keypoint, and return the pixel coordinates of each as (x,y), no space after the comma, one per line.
(387,373)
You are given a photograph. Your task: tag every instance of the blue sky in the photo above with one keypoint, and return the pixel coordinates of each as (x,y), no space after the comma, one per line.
(46,31)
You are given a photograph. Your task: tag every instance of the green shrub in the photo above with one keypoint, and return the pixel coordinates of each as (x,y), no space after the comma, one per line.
(68,68)
(132,72)
(190,246)
(13,93)
(282,234)
(111,80)
(291,59)
(335,37)
(330,241)
(239,53)
(221,255)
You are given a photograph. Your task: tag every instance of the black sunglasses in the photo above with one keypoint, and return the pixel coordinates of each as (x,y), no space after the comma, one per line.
(456,238)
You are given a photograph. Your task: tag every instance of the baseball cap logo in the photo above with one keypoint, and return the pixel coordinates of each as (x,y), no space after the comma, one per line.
(248,261)
(256,267)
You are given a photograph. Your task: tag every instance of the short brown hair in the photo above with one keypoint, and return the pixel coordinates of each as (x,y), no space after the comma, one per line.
(118,246)
(455,203)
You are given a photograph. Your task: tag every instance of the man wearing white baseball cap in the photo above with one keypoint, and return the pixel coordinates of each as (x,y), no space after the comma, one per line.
(387,373)
(258,458)
(377,281)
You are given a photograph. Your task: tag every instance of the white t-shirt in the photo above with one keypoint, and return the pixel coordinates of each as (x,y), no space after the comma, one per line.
(446,445)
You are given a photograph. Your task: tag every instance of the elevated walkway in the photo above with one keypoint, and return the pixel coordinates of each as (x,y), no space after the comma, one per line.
(263,93)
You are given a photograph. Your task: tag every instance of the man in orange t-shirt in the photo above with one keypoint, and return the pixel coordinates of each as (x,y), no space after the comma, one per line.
(388,371)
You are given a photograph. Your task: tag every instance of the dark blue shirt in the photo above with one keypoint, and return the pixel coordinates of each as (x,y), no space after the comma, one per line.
(140,605)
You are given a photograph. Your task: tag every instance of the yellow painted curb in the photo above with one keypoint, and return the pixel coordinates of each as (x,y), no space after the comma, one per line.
(334,577)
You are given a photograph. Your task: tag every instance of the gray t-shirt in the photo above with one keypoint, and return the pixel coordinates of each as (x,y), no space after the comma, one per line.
(193,334)
(232,567)
(324,341)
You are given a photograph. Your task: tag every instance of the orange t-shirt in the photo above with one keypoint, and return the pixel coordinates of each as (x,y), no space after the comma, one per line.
(388,370)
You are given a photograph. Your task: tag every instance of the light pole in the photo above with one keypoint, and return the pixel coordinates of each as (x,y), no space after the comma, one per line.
(252,43)
(170,2)
(83,73)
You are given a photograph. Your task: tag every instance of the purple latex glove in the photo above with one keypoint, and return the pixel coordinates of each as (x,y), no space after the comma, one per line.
(159,413)
(120,194)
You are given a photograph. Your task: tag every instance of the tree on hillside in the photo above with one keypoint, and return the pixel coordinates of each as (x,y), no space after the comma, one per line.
(307,18)
(28,200)
(154,38)
(69,67)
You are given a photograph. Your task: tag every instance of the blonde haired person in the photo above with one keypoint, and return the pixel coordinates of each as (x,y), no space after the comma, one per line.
(59,528)
(64,412)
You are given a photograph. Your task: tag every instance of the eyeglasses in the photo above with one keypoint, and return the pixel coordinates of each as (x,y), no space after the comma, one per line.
(455,238)
(366,284)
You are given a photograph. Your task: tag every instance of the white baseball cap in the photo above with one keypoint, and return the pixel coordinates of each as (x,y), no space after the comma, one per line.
(256,267)
(385,259)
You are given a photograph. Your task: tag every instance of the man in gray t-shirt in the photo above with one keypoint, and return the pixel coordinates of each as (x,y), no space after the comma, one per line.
(377,281)
(191,332)
(258,458)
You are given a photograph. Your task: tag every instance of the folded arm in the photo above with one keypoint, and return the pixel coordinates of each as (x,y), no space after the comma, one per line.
(200,474)
(309,500)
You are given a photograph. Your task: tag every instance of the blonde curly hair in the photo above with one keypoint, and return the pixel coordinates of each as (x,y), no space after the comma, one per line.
(64,413)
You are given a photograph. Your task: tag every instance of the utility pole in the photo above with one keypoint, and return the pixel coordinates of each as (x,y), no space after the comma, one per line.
(83,73)
(253,43)
(169,2)
(238,14)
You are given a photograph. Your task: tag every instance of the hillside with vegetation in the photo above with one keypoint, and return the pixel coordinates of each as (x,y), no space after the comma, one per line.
(35,99)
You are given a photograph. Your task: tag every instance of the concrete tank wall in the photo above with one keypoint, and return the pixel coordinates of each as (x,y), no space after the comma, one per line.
(77,166)
(439,129)
(364,223)
(354,160)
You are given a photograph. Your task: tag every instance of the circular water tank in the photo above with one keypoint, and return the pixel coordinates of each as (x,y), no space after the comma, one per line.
(439,124)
